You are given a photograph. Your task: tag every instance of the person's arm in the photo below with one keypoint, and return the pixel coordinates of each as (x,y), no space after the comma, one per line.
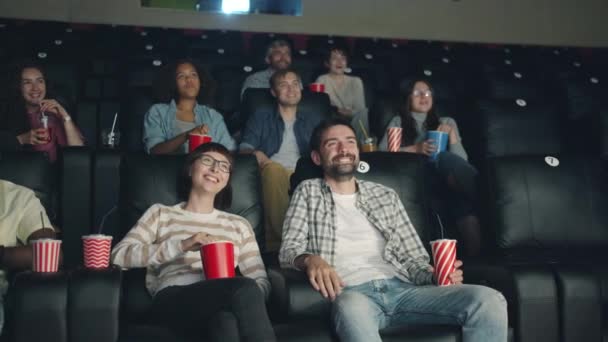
(72,133)
(139,247)
(359,96)
(294,254)
(295,229)
(219,132)
(455,141)
(250,261)
(252,136)
(20,257)
(33,224)
(417,259)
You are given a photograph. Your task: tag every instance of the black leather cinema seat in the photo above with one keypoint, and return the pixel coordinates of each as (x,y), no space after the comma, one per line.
(551,230)
(146,180)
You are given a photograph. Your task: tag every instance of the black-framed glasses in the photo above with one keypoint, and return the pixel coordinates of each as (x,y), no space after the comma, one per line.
(423,93)
(210,161)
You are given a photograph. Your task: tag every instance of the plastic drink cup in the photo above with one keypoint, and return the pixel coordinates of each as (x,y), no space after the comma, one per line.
(440,139)
(96,249)
(45,258)
(317,87)
(369,145)
(195,140)
(218,259)
(444,256)
(394,139)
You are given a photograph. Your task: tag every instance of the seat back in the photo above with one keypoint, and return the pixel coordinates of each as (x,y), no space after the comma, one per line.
(516,127)
(544,211)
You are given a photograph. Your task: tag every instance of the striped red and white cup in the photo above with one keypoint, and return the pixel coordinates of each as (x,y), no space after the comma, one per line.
(46,255)
(394,139)
(444,256)
(96,249)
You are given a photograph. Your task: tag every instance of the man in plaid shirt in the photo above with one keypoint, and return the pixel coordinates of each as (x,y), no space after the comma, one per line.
(359,249)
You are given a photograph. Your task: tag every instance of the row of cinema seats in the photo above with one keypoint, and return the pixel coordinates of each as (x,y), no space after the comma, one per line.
(546,245)
(117,73)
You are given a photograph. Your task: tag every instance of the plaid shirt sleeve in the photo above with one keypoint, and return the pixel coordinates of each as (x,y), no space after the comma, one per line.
(295,228)
(413,257)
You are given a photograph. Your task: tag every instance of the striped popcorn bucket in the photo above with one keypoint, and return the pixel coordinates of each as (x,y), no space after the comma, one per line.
(444,255)
(45,255)
(96,249)
(394,139)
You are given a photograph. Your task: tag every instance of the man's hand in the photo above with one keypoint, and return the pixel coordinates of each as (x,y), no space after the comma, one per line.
(323,277)
(194,243)
(457,276)
(262,158)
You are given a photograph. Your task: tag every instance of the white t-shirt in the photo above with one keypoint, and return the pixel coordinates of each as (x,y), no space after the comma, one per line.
(288,153)
(19,217)
(359,246)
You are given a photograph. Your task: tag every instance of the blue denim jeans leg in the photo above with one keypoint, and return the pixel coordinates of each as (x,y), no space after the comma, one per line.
(361,311)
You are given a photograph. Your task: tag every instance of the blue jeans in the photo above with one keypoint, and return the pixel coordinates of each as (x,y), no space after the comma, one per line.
(362,310)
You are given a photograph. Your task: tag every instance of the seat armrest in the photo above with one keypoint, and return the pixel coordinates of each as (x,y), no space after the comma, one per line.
(38,305)
(94,304)
(293,297)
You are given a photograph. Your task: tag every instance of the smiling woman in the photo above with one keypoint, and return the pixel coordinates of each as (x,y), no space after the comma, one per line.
(167,241)
(35,120)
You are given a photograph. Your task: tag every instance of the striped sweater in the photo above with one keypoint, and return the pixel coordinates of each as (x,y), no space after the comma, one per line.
(155,243)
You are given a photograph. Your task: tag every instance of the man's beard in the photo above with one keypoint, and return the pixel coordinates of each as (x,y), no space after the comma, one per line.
(341,172)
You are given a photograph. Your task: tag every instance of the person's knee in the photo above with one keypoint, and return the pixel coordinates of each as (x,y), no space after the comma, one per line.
(245,289)
(273,169)
(491,304)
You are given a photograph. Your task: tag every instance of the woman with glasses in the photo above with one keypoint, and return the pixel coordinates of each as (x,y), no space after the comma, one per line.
(167,240)
(453,178)
(167,125)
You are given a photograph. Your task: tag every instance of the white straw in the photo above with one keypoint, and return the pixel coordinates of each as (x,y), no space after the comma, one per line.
(440,224)
(103,219)
(114,124)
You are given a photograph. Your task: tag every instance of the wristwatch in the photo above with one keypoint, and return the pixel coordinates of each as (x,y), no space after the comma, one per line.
(67,118)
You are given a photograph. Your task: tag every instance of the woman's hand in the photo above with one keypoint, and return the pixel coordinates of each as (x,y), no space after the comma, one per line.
(36,136)
(194,243)
(348,113)
(450,131)
(201,130)
(426,147)
(54,107)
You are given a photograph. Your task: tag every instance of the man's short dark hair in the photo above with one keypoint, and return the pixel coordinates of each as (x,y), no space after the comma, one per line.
(280,74)
(315,139)
(275,44)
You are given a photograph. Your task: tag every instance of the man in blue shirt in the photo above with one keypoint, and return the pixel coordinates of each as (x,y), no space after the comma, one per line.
(278,138)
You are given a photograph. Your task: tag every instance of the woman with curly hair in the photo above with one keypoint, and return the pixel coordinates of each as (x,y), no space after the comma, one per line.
(167,125)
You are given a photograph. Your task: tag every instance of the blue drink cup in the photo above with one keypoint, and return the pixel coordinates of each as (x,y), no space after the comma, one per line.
(440,139)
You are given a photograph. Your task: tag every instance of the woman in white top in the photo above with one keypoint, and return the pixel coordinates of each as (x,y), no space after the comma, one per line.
(167,240)
(345,92)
